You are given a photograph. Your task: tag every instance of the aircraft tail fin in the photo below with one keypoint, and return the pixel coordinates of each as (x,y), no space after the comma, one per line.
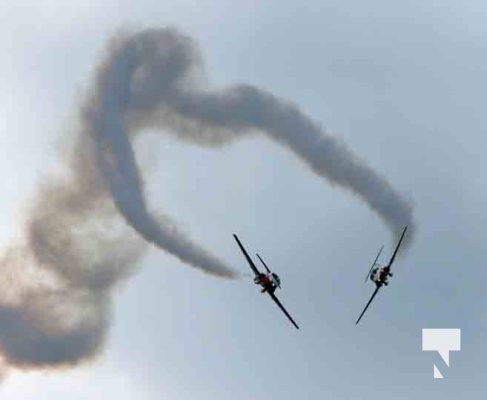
(373,264)
(264,264)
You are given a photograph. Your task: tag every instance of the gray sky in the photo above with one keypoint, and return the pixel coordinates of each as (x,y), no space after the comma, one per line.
(401,83)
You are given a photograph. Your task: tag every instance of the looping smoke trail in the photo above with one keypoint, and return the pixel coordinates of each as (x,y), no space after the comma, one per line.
(55,286)
(105,120)
(150,80)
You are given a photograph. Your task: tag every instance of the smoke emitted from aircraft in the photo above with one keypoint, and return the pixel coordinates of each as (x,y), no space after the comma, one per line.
(55,286)
(153,80)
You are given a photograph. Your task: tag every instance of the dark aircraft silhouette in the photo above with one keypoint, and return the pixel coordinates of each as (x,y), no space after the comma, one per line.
(268,281)
(380,274)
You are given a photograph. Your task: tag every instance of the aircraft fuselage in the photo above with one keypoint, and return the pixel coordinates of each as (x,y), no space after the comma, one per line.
(380,275)
(269,282)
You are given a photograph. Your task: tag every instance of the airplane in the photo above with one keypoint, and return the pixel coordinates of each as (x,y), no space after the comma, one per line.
(268,281)
(380,274)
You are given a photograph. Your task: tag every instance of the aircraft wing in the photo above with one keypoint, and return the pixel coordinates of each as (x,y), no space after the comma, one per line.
(368,304)
(276,300)
(249,260)
(397,247)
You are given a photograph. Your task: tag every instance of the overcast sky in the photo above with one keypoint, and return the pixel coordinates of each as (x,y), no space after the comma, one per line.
(403,83)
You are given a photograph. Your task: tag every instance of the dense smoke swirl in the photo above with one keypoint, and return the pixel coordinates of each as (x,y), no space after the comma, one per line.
(55,287)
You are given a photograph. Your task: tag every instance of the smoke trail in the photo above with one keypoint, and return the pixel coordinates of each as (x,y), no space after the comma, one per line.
(55,286)
(150,80)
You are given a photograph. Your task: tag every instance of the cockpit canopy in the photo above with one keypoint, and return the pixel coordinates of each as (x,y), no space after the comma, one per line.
(275,279)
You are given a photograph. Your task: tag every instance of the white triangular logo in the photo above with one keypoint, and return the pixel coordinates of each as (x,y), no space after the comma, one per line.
(437,373)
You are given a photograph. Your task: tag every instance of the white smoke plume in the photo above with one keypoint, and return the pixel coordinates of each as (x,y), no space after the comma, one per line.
(55,287)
